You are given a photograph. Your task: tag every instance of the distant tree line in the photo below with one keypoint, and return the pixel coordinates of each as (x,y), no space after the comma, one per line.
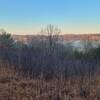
(47,58)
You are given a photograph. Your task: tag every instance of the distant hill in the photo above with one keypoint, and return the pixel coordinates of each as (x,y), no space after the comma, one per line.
(27,38)
(91,37)
(65,37)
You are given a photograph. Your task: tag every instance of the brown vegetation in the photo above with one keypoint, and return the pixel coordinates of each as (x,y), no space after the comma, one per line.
(14,86)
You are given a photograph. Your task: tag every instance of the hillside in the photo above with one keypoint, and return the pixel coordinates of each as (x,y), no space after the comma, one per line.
(91,37)
(65,37)
(41,71)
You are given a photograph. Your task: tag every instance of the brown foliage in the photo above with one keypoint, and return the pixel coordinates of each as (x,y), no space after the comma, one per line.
(16,87)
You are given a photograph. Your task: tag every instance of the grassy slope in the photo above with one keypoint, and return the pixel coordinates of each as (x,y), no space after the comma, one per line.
(16,87)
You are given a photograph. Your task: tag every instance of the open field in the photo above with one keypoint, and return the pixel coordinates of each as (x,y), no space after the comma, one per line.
(16,87)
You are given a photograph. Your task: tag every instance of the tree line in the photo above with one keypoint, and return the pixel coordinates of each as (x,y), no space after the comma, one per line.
(48,58)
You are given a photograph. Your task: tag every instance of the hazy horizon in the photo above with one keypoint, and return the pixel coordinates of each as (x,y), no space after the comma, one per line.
(30,16)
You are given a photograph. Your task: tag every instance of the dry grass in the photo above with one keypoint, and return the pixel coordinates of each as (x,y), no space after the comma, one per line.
(16,87)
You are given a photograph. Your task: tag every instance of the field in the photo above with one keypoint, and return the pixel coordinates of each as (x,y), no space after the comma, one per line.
(14,86)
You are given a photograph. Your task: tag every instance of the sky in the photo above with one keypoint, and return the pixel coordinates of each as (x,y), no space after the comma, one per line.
(29,16)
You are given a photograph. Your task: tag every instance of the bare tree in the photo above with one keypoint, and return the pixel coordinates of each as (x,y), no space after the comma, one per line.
(52,33)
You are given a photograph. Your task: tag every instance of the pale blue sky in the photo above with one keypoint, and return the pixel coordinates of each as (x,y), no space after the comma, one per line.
(28,16)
